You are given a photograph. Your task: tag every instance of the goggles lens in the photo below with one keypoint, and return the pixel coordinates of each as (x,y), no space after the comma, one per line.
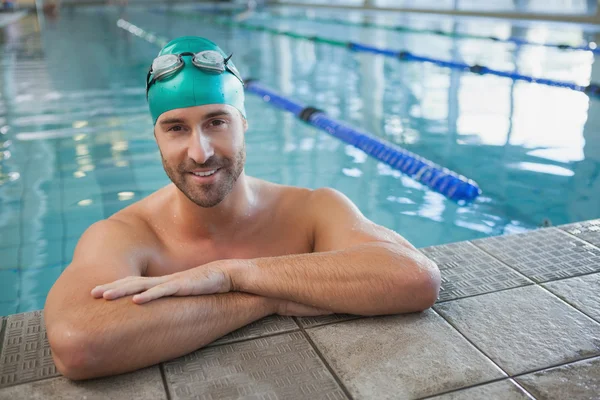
(209,60)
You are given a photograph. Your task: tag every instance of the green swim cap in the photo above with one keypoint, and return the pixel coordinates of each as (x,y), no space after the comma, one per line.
(192,86)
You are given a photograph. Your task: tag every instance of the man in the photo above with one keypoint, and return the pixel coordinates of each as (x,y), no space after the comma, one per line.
(218,249)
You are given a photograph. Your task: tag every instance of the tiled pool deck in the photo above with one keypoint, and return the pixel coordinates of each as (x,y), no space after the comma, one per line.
(518,318)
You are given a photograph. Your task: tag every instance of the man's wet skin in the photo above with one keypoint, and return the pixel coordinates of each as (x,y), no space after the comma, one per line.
(216,249)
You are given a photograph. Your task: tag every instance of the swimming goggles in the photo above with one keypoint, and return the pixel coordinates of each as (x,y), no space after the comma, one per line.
(209,61)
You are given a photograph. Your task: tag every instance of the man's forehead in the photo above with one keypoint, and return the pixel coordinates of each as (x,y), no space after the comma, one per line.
(197,112)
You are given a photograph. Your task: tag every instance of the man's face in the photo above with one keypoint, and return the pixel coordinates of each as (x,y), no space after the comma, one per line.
(203,150)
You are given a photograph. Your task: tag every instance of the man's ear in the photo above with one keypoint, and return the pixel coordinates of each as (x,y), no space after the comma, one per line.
(245,121)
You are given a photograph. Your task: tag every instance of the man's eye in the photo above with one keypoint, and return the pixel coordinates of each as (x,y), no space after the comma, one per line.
(176,128)
(217,122)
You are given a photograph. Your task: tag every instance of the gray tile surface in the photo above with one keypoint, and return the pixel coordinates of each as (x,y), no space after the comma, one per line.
(402,356)
(576,381)
(266,326)
(308,322)
(544,255)
(467,270)
(586,230)
(143,384)
(25,353)
(276,367)
(524,329)
(582,292)
(505,390)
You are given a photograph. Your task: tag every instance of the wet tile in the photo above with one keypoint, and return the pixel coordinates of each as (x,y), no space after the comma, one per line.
(41,254)
(505,390)
(467,271)
(266,326)
(579,380)
(524,329)
(283,366)
(26,353)
(402,356)
(9,258)
(586,230)
(309,322)
(544,255)
(581,292)
(9,284)
(142,384)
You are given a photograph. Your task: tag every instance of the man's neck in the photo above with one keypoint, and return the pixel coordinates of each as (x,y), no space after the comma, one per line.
(222,220)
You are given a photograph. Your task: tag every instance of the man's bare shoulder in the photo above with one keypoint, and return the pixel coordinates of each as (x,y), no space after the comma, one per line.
(281,196)
(140,216)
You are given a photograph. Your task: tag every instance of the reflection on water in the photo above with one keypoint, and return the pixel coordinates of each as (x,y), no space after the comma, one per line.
(76,141)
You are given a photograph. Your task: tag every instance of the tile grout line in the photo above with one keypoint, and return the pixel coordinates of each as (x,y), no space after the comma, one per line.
(163,375)
(575,236)
(3,324)
(539,284)
(474,386)
(323,360)
(247,339)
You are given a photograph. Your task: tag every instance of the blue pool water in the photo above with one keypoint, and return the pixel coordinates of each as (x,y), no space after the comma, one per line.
(76,141)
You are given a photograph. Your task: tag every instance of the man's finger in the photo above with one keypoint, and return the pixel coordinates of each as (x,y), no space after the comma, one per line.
(163,290)
(132,286)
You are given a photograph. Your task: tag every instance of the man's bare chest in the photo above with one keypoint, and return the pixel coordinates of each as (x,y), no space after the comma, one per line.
(179,256)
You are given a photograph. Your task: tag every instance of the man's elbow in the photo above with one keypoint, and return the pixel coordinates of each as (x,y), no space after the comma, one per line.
(72,353)
(430,283)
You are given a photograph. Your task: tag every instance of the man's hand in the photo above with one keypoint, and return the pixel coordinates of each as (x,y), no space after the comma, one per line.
(210,278)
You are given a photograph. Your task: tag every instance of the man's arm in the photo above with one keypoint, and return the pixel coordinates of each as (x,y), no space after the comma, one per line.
(358,267)
(95,337)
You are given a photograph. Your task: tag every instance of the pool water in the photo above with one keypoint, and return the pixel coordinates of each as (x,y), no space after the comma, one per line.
(76,142)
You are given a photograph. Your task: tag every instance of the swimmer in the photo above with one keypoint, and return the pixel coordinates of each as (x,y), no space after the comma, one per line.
(217,249)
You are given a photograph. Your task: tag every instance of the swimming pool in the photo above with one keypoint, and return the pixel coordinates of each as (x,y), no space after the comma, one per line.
(76,137)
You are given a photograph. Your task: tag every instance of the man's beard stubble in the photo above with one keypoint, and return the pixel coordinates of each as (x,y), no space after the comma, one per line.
(207,195)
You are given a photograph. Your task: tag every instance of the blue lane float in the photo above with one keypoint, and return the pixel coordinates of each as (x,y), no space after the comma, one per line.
(452,185)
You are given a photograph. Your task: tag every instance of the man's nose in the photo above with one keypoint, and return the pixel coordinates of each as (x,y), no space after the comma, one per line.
(200,148)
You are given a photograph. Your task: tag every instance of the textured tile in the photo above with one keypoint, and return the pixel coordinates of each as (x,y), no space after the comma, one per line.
(402,356)
(586,230)
(266,326)
(275,367)
(581,292)
(579,380)
(524,329)
(143,384)
(25,350)
(505,390)
(467,270)
(309,322)
(544,255)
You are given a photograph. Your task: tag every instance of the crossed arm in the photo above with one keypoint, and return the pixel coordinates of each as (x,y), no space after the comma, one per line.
(357,267)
